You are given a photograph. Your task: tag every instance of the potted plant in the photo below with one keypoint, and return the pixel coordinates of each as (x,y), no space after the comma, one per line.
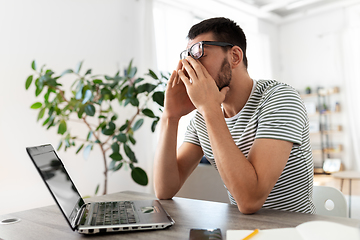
(91,102)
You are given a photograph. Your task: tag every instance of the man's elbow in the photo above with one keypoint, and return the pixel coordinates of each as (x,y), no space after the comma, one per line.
(249,208)
(164,194)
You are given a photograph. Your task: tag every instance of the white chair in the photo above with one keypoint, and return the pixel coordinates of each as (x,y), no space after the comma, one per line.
(330,201)
(204,184)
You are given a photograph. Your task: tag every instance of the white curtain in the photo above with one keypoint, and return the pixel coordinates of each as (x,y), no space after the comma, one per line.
(147,34)
(351,46)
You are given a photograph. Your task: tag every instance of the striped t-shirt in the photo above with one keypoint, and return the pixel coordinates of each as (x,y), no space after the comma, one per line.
(274,110)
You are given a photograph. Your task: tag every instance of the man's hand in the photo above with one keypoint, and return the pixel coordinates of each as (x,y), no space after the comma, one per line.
(177,102)
(200,86)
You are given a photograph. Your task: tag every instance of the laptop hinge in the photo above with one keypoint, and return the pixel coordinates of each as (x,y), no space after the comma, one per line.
(81,215)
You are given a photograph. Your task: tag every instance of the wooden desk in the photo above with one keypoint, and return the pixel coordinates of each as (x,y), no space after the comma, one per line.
(48,222)
(350,175)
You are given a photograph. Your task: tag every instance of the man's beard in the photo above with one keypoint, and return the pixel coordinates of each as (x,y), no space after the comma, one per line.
(224,76)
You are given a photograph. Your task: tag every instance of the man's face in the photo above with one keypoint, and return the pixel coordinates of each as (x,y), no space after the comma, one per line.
(215,60)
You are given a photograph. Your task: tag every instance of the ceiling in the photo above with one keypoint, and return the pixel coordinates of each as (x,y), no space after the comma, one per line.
(284,8)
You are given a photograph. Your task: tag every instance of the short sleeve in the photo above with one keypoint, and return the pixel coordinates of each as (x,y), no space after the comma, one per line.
(191,135)
(282,115)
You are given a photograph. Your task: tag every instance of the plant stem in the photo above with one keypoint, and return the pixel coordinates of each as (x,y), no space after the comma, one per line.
(103,151)
(105,170)
(132,120)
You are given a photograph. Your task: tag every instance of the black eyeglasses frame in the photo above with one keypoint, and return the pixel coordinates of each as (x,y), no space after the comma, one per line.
(213,43)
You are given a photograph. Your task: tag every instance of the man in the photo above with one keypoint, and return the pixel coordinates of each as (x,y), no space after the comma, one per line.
(255,133)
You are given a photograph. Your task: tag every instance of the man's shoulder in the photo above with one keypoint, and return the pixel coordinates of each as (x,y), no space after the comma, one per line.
(266,87)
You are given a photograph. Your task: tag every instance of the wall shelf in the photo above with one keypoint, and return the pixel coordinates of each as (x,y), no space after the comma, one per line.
(321,109)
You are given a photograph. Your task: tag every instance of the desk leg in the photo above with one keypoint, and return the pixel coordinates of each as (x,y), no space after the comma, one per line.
(350,198)
(341,184)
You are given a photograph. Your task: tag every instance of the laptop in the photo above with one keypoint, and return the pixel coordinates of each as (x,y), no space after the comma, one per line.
(94,217)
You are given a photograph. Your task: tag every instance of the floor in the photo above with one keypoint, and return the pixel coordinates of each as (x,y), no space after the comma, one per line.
(328,180)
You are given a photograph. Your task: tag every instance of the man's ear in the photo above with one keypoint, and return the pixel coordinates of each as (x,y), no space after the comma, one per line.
(236,56)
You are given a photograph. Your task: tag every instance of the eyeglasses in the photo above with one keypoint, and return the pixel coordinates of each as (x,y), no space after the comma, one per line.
(197,50)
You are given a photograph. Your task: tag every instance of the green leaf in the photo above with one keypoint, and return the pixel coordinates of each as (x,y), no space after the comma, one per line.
(123,127)
(138,124)
(88,72)
(66,72)
(88,95)
(38,90)
(139,176)
(115,147)
(90,110)
(46,121)
(114,117)
(28,82)
(146,87)
(131,166)
(135,102)
(112,125)
(41,114)
(79,91)
(129,153)
(112,165)
(86,151)
(97,189)
(79,149)
(129,67)
(78,67)
(115,167)
(132,140)
(62,127)
(122,138)
(89,135)
(148,112)
(101,125)
(153,125)
(97,81)
(33,65)
(165,77)
(138,80)
(132,72)
(158,97)
(59,146)
(152,74)
(116,156)
(36,105)
(81,111)
(107,131)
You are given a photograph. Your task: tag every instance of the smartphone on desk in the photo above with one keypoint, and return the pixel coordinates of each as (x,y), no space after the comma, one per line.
(205,234)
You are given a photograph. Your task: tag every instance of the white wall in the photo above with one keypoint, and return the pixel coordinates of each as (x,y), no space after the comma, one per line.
(312,54)
(106,35)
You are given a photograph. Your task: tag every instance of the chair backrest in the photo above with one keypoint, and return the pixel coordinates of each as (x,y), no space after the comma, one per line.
(330,201)
(204,184)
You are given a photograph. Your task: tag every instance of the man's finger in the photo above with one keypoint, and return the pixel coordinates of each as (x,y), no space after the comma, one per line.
(179,66)
(189,69)
(184,79)
(172,79)
(197,66)
(225,90)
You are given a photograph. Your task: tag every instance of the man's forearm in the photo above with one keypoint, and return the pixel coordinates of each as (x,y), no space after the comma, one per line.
(237,172)
(166,173)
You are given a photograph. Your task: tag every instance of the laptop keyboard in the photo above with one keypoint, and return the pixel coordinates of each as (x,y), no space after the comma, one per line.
(112,213)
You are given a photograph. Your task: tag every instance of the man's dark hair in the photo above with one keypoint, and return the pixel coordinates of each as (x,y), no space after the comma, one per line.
(224,30)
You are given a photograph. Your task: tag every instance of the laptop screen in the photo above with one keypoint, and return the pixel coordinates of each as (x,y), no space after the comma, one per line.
(57,180)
